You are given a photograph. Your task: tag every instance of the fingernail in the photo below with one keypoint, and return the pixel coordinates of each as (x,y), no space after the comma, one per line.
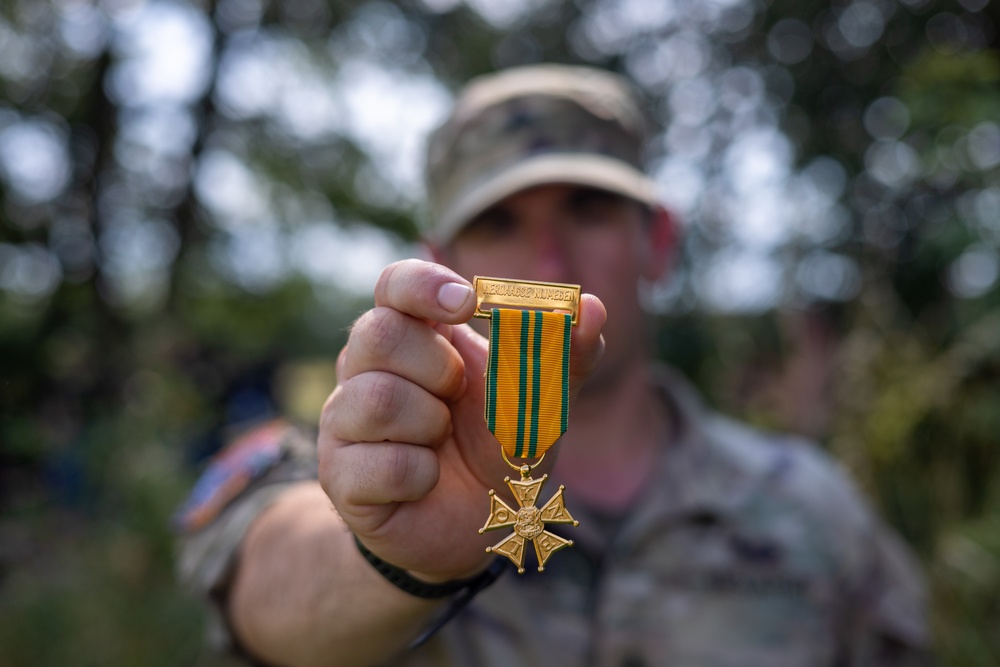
(452,296)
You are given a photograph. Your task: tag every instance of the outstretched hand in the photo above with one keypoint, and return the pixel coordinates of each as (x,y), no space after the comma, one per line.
(404,451)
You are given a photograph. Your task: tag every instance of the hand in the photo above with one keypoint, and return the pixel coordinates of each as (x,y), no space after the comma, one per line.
(404,451)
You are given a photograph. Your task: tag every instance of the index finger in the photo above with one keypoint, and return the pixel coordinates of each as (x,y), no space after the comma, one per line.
(425,290)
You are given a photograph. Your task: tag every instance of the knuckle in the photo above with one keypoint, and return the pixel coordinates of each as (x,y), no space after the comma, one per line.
(400,467)
(380,331)
(385,277)
(382,398)
(326,414)
(451,375)
(385,284)
(330,424)
(441,426)
(410,473)
(330,475)
(433,422)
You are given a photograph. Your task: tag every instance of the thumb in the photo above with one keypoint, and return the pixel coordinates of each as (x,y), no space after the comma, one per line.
(587,344)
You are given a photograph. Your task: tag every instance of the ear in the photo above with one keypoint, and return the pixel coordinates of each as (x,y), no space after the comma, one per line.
(662,237)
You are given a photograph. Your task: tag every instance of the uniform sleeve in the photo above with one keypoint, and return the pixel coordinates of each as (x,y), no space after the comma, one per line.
(235,488)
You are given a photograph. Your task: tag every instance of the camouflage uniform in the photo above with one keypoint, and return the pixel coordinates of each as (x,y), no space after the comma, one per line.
(745,549)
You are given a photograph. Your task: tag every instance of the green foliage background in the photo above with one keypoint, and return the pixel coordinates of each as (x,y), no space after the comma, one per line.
(117,382)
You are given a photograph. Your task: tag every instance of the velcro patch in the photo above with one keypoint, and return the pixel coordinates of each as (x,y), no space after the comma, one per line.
(230,472)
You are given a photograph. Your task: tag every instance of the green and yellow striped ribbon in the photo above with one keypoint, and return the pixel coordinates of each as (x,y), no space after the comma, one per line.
(527,379)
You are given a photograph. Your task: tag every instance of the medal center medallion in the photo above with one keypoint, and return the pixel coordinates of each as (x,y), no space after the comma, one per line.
(529,523)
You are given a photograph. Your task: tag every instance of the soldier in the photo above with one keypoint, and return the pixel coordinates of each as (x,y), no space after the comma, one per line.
(701,542)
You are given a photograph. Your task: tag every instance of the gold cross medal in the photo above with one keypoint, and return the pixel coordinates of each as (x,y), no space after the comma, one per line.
(527,406)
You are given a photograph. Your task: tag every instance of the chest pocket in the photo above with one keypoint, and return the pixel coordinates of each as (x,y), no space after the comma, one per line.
(709,598)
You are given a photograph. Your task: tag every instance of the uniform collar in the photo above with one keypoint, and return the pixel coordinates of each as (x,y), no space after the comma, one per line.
(699,478)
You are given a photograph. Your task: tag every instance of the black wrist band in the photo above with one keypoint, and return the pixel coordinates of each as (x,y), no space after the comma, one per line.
(402,579)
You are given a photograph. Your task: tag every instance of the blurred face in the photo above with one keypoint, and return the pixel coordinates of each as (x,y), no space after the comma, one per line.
(570,234)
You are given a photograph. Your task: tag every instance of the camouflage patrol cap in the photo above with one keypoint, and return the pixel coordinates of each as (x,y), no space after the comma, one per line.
(531,126)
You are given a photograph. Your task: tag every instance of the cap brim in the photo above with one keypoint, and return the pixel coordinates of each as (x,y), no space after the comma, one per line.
(573,168)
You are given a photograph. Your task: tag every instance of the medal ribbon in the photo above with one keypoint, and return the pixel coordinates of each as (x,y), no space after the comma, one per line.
(527,379)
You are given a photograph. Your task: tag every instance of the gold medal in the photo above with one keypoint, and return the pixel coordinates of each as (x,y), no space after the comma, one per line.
(527,406)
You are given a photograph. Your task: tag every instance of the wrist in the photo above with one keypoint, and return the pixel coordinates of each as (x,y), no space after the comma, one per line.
(430,590)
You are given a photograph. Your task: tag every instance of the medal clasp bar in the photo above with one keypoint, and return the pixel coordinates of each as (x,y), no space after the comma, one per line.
(525,295)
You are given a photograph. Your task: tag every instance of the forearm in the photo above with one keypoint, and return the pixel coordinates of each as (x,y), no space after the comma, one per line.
(303,595)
